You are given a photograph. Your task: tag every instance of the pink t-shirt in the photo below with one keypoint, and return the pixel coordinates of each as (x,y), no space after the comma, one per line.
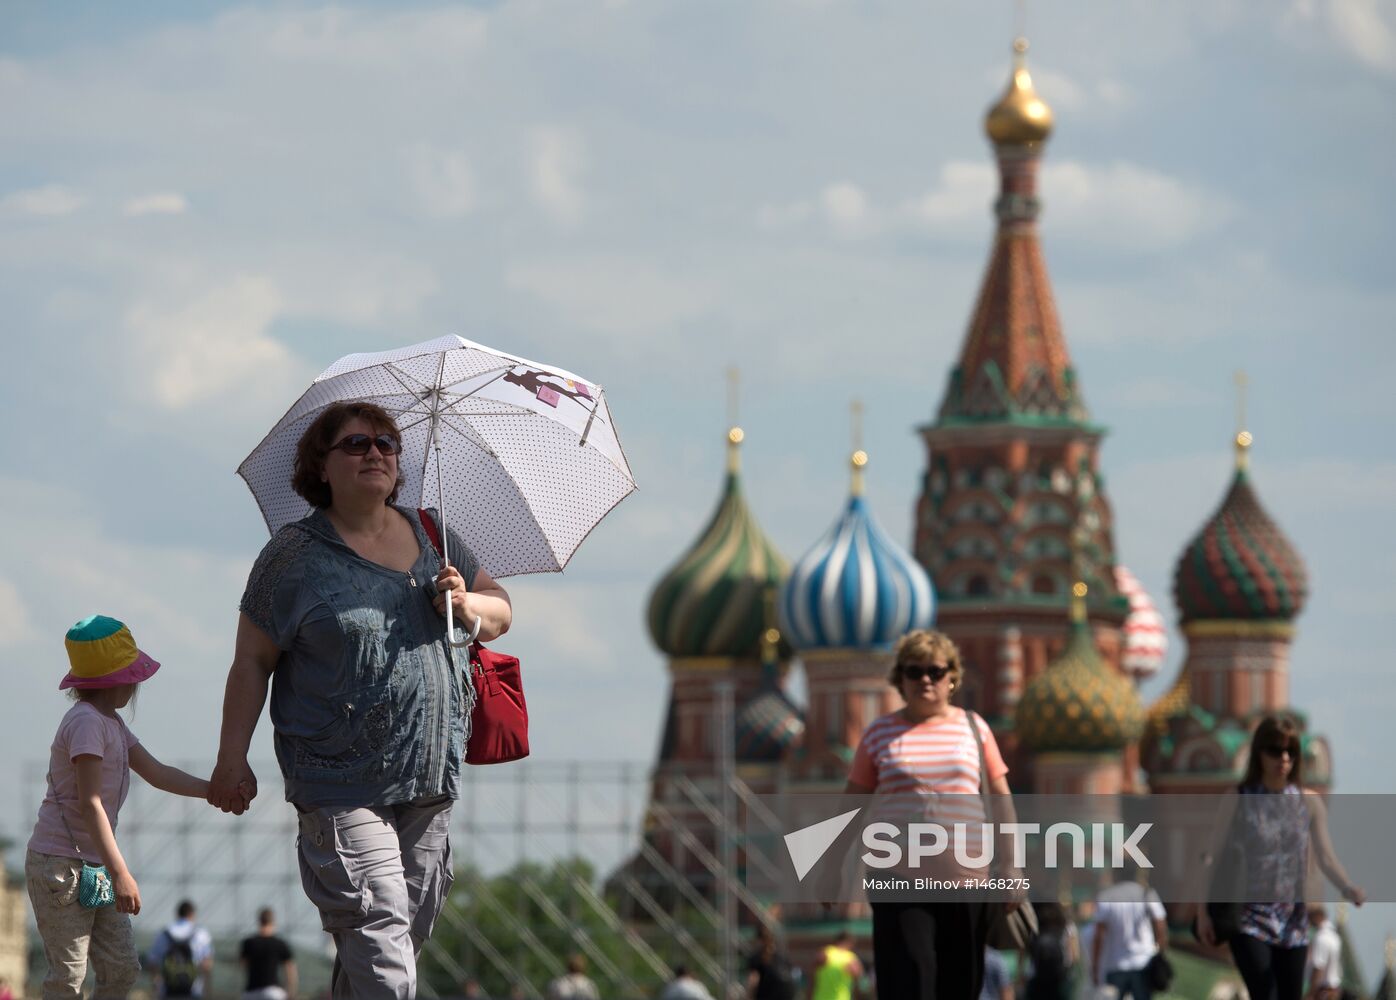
(928,770)
(83,730)
(936,756)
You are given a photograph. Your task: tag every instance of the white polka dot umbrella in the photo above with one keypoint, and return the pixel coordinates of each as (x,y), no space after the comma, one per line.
(522,459)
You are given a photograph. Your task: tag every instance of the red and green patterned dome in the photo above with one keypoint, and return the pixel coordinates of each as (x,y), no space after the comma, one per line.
(1240,565)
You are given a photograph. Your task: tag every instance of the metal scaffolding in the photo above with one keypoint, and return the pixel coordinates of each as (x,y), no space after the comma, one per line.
(573,843)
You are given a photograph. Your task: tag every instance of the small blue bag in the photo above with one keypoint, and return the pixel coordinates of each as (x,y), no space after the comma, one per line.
(95,889)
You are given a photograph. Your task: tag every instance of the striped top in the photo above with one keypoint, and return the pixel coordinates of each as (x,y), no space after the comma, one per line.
(928,772)
(937,756)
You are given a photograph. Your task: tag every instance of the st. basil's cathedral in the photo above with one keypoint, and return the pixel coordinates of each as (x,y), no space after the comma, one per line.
(1013,512)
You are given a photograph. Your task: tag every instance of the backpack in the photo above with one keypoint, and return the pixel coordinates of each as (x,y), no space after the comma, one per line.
(178,972)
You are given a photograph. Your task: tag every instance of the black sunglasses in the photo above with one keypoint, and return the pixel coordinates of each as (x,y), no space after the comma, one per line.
(1280,749)
(358,444)
(914,672)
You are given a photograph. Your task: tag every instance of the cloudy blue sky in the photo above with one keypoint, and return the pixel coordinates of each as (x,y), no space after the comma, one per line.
(203,205)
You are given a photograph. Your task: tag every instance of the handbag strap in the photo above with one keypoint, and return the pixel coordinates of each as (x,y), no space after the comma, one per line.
(434,536)
(985,795)
(433,532)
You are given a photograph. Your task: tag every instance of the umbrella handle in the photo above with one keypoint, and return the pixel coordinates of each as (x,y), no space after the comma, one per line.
(451,639)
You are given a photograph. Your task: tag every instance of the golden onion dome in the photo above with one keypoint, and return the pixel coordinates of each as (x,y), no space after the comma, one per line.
(1079,703)
(1020,117)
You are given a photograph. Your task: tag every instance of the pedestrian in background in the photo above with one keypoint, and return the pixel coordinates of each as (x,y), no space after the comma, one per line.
(1130,929)
(266,958)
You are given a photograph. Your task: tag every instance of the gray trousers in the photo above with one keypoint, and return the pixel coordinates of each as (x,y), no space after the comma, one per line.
(74,936)
(379,877)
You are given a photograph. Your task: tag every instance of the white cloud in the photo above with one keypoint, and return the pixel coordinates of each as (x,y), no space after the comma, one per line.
(964,193)
(362,39)
(845,205)
(443,180)
(206,345)
(1128,207)
(558,158)
(158,203)
(1065,93)
(1119,205)
(16,621)
(350,284)
(49,200)
(611,294)
(1362,27)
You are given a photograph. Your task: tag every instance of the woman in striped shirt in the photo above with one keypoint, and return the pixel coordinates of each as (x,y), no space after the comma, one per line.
(931,950)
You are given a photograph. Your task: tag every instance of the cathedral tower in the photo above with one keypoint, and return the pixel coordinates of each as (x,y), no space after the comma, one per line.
(1012,508)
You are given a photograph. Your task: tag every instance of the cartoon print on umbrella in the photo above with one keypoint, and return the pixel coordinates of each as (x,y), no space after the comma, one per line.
(549,392)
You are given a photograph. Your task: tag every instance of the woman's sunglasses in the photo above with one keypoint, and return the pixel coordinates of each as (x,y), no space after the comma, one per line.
(1278,750)
(358,444)
(915,672)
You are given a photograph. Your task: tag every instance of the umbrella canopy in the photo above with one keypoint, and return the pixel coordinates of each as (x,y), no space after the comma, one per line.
(529,461)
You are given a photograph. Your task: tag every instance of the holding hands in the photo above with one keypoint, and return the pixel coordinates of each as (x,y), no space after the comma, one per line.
(232,787)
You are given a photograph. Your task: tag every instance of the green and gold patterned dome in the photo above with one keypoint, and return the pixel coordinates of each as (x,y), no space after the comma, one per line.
(711,602)
(1078,704)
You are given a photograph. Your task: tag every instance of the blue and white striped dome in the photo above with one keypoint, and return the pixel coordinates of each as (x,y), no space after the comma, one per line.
(856,589)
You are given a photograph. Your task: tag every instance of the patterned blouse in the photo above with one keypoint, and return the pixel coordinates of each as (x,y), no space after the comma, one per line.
(1276,835)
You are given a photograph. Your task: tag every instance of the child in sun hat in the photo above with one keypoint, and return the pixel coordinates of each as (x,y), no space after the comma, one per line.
(90,762)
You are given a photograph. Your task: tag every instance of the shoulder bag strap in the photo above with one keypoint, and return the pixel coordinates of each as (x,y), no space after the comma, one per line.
(429,526)
(985,794)
(434,536)
(59,802)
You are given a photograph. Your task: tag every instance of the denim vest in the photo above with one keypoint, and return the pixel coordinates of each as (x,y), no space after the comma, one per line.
(367,701)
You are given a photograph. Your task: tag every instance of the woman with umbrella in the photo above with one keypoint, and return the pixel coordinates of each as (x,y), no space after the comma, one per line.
(369,693)
(343,615)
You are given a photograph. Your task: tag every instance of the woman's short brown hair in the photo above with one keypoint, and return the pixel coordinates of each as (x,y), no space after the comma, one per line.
(1274,730)
(923,645)
(314,447)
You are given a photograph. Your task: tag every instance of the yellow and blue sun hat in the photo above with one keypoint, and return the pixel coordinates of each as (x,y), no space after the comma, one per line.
(102,653)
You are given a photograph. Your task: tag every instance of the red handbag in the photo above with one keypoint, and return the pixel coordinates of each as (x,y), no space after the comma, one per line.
(499,722)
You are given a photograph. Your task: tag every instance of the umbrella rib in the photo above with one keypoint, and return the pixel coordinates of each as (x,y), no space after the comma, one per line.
(502,372)
(434,416)
(420,418)
(482,444)
(403,379)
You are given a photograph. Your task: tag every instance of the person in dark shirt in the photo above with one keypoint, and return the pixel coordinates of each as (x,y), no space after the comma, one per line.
(769,974)
(265,956)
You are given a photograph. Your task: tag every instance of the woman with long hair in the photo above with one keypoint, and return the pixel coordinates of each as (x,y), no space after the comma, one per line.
(1271,941)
